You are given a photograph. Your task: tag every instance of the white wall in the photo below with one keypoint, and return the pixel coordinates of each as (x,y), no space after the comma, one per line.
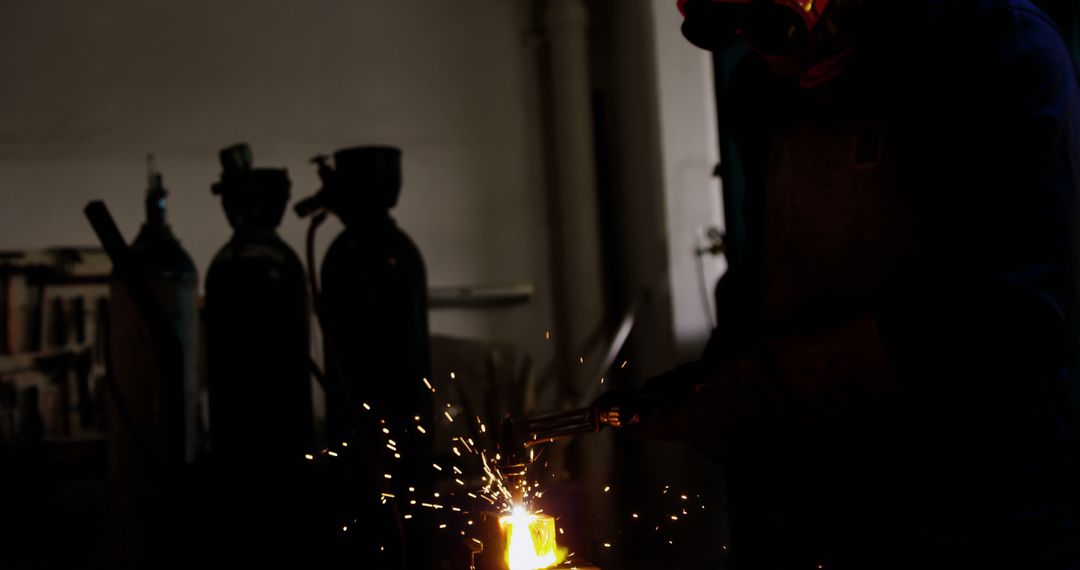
(87,88)
(690,151)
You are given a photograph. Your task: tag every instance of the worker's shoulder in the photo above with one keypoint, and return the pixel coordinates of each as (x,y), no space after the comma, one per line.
(997,15)
(1000,30)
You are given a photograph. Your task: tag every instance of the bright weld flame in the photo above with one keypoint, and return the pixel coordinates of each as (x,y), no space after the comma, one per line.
(530,540)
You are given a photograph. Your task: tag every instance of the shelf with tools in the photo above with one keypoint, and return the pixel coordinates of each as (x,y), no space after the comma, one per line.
(54,306)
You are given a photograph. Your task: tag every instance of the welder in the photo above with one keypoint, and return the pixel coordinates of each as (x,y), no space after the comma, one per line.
(891,381)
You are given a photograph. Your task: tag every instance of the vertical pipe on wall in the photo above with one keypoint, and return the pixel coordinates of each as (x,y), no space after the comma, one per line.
(572,199)
(577,275)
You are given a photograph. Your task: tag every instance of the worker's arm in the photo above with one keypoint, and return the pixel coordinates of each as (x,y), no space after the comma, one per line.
(787,385)
(996,303)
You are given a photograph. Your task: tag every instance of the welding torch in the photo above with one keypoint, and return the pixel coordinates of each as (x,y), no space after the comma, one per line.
(616,408)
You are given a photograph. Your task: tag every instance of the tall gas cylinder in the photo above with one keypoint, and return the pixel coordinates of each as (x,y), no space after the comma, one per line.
(143,432)
(372,308)
(374,297)
(257,324)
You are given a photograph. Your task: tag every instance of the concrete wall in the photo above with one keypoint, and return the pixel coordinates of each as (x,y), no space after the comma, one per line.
(88,88)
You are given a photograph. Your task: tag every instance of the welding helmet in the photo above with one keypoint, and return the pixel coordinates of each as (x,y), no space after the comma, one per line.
(774,27)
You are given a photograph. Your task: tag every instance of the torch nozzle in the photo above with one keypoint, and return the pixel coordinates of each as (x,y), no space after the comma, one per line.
(550,427)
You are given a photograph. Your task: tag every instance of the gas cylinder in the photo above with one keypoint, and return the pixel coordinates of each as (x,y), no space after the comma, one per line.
(372,307)
(373,301)
(143,446)
(257,324)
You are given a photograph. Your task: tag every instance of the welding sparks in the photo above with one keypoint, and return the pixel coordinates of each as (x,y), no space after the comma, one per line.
(623,365)
(452,376)
(495,490)
(607,488)
(547,335)
(309,456)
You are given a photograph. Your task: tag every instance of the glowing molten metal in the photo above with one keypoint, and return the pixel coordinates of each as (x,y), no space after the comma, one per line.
(530,540)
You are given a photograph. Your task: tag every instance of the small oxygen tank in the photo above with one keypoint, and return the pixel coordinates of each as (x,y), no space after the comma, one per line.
(257,325)
(142,445)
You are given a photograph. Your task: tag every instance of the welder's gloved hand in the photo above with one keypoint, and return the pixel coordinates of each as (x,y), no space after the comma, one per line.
(654,411)
(625,407)
(679,383)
